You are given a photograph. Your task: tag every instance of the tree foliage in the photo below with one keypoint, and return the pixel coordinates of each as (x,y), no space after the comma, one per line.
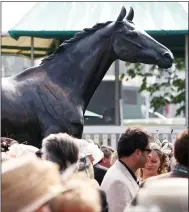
(167,81)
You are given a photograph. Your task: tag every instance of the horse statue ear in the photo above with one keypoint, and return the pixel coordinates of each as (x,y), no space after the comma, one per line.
(130,16)
(122,14)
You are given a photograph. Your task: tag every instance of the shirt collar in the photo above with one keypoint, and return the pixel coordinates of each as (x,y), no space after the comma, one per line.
(130,171)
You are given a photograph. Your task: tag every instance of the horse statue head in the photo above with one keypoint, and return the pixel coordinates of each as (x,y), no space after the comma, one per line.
(133,45)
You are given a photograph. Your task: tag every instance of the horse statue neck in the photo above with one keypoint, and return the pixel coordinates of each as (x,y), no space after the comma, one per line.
(78,65)
(81,66)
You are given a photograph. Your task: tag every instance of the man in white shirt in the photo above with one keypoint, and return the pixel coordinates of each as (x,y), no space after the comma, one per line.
(120,183)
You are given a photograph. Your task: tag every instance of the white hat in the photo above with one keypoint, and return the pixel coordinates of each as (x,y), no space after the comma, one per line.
(17,150)
(90,149)
(97,153)
(84,147)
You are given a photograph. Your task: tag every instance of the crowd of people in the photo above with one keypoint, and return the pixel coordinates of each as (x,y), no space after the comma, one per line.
(75,175)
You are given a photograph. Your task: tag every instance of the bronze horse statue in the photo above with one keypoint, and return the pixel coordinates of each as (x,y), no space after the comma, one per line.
(53,96)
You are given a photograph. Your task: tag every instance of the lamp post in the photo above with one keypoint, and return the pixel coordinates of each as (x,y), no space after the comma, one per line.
(117,94)
(186,80)
(32,51)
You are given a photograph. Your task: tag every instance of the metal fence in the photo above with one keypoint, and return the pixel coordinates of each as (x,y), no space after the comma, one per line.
(109,135)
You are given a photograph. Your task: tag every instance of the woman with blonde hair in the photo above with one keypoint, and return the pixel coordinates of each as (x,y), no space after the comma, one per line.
(114,157)
(156,163)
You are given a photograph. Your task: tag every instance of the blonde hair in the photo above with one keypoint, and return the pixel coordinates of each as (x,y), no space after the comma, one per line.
(163,160)
(114,157)
(162,156)
(85,166)
(89,171)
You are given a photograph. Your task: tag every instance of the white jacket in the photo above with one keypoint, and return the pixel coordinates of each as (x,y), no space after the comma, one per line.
(120,187)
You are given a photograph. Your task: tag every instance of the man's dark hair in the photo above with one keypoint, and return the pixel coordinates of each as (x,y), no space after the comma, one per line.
(181,147)
(61,149)
(133,138)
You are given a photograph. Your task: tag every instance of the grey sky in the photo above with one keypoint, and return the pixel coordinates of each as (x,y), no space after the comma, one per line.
(19,9)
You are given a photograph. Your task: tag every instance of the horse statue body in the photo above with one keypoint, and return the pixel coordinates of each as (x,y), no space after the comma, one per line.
(52,97)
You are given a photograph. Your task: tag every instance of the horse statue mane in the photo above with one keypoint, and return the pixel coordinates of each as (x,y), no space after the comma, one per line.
(78,36)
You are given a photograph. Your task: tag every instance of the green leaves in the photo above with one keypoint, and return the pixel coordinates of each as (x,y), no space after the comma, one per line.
(172,85)
(179,64)
(122,76)
(132,73)
(158,102)
(143,87)
(179,84)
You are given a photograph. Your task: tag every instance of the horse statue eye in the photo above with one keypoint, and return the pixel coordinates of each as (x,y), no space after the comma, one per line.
(132,33)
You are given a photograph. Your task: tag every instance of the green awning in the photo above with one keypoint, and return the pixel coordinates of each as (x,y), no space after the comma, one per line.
(64,19)
(165,21)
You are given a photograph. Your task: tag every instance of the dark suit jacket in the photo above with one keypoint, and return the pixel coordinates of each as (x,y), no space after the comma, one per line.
(99,172)
(104,203)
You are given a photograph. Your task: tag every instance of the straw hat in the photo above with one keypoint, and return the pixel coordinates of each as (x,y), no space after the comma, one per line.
(28,183)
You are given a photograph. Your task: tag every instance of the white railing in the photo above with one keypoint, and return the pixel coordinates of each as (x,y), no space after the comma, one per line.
(109,135)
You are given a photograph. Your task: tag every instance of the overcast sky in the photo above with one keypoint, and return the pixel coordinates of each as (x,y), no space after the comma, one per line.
(12,12)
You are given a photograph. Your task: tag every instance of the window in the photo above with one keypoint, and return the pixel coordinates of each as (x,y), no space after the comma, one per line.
(130,96)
